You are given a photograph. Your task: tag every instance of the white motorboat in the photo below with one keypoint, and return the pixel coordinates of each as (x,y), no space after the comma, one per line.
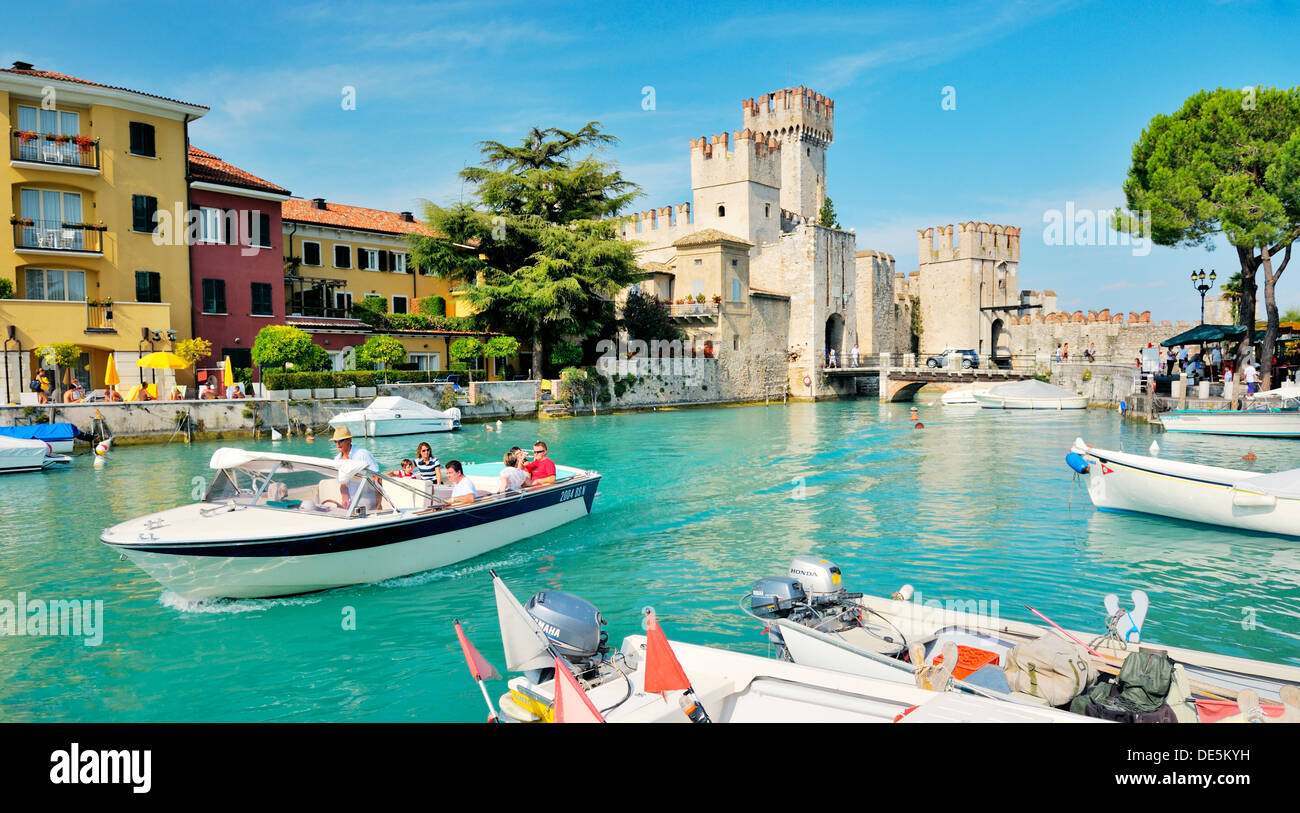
(814,621)
(391,415)
(21,454)
(1277,417)
(731,687)
(60,435)
(963,396)
(278,524)
(1246,500)
(1031,394)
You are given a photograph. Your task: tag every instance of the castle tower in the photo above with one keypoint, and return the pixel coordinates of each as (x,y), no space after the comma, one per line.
(968,287)
(803,123)
(738,191)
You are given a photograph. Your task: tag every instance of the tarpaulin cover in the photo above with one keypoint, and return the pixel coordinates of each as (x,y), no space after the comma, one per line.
(42,431)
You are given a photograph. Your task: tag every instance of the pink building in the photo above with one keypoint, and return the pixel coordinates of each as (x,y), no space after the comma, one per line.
(236,262)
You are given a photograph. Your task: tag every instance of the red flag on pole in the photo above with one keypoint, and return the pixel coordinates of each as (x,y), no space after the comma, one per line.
(662,671)
(572,705)
(478,665)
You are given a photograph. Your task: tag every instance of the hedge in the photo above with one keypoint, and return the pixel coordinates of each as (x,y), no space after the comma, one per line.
(277,380)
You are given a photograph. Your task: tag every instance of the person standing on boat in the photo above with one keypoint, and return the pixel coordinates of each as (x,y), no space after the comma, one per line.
(343,442)
(462,488)
(426,465)
(542,468)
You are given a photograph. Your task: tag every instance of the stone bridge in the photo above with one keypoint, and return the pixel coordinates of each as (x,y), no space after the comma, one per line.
(898,383)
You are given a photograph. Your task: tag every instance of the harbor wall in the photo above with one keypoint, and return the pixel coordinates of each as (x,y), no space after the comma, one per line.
(1105,384)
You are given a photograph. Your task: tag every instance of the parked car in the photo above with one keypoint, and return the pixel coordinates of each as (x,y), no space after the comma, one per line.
(970,359)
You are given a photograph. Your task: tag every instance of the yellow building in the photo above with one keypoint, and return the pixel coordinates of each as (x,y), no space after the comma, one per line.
(337,255)
(88,167)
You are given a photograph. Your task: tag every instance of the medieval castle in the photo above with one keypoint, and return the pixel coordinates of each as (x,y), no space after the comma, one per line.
(754,279)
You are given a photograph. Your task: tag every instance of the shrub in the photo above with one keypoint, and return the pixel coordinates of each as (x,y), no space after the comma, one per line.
(501,347)
(6,288)
(409,321)
(446,398)
(278,345)
(381,349)
(566,354)
(433,306)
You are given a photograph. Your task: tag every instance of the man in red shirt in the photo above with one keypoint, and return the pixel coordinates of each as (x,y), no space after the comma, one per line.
(541,467)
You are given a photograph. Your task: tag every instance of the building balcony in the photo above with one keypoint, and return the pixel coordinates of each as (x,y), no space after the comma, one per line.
(76,154)
(54,237)
(116,325)
(694,311)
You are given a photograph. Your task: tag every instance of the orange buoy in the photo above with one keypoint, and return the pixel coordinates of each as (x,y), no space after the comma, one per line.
(1248,456)
(919,425)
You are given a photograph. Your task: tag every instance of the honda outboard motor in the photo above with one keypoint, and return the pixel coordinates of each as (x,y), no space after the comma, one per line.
(775,596)
(820,577)
(573,625)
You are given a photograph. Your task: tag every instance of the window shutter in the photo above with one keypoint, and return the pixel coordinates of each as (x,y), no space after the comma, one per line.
(361,260)
(264,224)
(384,265)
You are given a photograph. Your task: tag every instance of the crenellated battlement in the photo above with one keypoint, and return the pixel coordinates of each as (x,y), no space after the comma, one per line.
(715,161)
(791,114)
(968,241)
(652,220)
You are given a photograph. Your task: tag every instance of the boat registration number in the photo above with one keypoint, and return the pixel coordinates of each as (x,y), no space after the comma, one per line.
(570,494)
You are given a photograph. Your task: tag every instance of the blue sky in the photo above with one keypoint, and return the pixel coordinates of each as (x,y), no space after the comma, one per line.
(1050,97)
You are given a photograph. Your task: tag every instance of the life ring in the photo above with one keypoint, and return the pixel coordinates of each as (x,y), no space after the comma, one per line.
(807,381)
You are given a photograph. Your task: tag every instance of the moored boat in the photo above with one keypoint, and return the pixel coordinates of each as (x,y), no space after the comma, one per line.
(60,435)
(1246,500)
(962,396)
(1031,394)
(390,415)
(558,631)
(279,524)
(1265,418)
(814,621)
(24,454)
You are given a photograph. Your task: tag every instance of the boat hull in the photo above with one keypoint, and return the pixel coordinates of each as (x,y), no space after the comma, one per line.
(423,541)
(1121,482)
(1228,422)
(990,401)
(396,426)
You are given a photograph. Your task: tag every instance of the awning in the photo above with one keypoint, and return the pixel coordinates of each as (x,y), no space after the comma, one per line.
(1205,334)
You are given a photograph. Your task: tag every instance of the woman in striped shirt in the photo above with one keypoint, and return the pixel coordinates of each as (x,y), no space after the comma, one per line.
(426,465)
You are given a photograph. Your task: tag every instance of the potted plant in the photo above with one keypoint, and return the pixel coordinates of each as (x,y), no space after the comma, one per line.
(83,142)
(21,221)
(717,299)
(27,136)
(699,298)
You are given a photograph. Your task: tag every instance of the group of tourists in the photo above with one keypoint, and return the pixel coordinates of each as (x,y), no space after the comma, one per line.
(519,471)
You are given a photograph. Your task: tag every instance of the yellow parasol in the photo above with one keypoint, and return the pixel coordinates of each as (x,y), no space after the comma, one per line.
(163,361)
(227,375)
(111,378)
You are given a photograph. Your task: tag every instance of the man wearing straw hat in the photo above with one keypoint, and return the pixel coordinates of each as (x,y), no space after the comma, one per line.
(343,442)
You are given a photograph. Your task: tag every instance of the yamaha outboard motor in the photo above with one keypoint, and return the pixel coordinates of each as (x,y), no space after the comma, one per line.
(574,626)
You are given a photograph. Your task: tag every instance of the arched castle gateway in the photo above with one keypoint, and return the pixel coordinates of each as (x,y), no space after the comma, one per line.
(749,238)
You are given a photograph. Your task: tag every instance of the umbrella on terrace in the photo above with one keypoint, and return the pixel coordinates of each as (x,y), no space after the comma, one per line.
(162,360)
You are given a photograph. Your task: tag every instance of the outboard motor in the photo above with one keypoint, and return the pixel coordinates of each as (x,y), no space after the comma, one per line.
(820,577)
(775,596)
(573,625)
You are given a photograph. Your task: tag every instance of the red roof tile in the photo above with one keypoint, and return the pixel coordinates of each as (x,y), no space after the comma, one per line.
(350,217)
(59,77)
(206,167)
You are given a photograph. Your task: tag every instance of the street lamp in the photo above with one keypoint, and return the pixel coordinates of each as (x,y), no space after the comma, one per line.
(1198,282)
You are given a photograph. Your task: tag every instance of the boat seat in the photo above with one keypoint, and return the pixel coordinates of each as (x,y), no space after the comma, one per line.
(399,497)
(485,486)
(328,489)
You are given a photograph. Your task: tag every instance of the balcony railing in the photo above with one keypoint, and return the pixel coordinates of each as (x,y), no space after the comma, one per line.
(99,317)
(56,150)
(54,235)
(699,309)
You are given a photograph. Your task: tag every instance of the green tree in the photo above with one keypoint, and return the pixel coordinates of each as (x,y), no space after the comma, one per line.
(827,216)
(381,350)
(1232,293)
(532,253)
(1291,315)
(279,345)
(64,356)
(1226,163)
(6,288)
(648,319)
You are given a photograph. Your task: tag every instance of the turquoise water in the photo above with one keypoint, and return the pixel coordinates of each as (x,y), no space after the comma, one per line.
(694,506)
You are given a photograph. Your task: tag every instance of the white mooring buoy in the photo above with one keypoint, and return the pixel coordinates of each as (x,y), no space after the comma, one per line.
(1154,449)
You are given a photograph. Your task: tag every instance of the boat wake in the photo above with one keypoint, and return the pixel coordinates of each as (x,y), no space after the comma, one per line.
(173,601)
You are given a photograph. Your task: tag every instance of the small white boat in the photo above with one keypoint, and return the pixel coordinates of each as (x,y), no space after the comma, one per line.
(1031,394)
(1276,417)
(20,454)
(275,524)
(60,435)
(823,625)
(730,687)
(1246,500)
(392,415)
(963,396)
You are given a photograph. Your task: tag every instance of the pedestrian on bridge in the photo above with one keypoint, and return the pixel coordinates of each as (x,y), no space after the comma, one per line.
(855,354)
